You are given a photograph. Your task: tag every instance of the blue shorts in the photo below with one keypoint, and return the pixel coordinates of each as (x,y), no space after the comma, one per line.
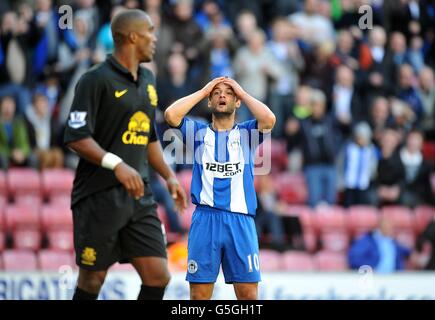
(220,237)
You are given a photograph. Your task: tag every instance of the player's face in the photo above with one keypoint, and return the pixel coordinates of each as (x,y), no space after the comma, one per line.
(146,44)
(223,100)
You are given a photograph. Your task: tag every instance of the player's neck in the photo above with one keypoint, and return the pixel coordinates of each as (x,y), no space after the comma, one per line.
(222,124)
(128,61)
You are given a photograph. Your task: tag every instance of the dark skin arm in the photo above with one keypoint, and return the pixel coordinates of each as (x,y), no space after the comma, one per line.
(155,159)
(90,150)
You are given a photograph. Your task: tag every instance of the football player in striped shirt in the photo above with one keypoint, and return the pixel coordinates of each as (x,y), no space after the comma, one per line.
(223,229)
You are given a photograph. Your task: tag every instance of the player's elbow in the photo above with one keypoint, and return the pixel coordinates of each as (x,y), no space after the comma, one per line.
(268,122)
(171,118)
(72,145)
(80,146)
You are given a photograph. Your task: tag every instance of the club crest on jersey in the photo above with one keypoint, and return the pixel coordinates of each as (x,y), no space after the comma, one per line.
(77,119)
(235,144)
(138,125)
(192,266)
(89,256)
(152,95)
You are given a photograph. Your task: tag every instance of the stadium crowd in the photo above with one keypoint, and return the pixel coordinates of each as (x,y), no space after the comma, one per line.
(353,94)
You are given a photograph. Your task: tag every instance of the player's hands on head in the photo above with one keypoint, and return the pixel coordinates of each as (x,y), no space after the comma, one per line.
(178,194)
(238,90)
(130,179)
(208,88)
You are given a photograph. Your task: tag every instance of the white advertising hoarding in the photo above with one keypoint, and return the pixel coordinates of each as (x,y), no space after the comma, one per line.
(275,286)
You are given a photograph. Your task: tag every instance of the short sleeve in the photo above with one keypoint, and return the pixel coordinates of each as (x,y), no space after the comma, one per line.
(189,128)
(249,131)
(153,134)
(84,108)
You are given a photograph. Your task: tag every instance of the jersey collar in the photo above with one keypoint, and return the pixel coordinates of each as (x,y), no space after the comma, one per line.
(120,68)
(212,129)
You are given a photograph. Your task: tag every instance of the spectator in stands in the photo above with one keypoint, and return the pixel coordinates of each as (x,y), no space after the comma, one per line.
(417,189)
(407,92)
(302,106)
(313,27)
(246,23)
(426,93)
(269,213)
(176,83)
(379,250)
(44,134)
(80,58)
(153,7)
(14,140)
(164,44)
(221,47)
(301,110)
(347,104)
(398,49)
(210,17)
(17,41)
(378,67)
(359,166)
(345,52)
(284,47)
(319,67)
(46,51)
(89,12)
(254,65)
(318,137)
(416,57)
(52,89)
(390,173)
(379,118)
(404,117)
(188,37)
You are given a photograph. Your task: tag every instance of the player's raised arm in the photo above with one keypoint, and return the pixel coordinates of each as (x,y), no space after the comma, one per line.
(175,113)
(265,117)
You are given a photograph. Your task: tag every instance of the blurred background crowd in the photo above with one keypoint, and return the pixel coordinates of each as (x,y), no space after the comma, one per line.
(355,106)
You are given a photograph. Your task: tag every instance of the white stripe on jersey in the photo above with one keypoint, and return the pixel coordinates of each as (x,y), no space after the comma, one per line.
(206,195)
(238,201)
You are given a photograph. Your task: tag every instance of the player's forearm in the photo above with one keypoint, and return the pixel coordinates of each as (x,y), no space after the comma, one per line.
(156,160)
(175,113)
(265,117)
(88,149)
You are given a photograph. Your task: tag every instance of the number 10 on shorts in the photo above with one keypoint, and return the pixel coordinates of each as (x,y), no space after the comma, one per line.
(256,262)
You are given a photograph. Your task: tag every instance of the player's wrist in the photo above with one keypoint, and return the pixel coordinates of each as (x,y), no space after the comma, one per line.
(172,180)
(204,93)
(110,161)
(243,95)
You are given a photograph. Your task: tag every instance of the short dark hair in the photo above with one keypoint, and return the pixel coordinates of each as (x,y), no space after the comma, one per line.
(123,21)
(416,131)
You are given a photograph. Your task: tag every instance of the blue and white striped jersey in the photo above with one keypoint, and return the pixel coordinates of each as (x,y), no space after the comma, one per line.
(223,167)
